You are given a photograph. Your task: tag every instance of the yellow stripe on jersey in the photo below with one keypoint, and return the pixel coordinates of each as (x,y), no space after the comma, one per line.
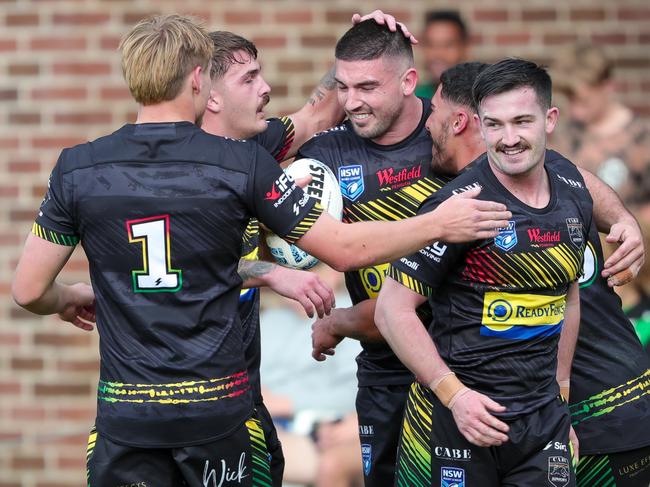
(303,227)
(407,281)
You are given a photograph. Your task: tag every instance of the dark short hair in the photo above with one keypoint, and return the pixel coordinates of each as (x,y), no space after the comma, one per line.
(511,74)
(457,81)
(450,16)
(368,40)
(226,44)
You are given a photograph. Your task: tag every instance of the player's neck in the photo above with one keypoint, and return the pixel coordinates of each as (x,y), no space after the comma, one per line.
(471,148)
(405,124)
(532,188)
(168,111)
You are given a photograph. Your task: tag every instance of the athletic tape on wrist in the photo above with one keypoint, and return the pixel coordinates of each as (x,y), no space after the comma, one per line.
(447,388)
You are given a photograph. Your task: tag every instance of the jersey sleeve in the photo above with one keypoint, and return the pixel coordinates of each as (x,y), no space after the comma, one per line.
(278,202)
(278,137)
(426,269)
(55,220)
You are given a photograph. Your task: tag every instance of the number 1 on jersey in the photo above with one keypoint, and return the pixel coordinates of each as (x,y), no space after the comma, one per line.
(157,276)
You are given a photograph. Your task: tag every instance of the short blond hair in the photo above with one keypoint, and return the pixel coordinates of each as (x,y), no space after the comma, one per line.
(580,64)
(159,53)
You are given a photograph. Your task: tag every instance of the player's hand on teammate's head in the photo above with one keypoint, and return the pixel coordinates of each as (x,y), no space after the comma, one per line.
(472,414)
(323,341)
(463,218)
(80,309)
(381,18)
(626,262)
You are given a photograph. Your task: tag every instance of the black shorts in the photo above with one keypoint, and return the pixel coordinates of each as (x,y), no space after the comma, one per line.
(380,410)
(240,459)
(622,469)
(273,444)
(432,452)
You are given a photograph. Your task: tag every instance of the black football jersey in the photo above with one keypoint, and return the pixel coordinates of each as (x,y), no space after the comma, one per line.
(160,210)
(498,304)
(277,139)
(378,182)
(610,378)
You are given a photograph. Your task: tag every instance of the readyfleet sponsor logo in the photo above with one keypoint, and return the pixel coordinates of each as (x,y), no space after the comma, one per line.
(281,190)
(549,238)
(398,179)
(521,316)
(445,453)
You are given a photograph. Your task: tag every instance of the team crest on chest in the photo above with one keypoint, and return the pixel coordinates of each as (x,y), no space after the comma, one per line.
(351,181)
(507,237)
(575,231)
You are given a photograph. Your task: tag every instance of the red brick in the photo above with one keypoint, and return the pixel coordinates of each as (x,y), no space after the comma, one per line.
(8,239)
(269,41)
(57,484)
(644,38)
(10,388)
(641,110)
(645,86)
(76,414)
(58,43)
(637,14)
(21,20)
(585,14)
(559,38)
(609,39)
(27,363)
(9,143)
(538,15)
(294,17)
(296,66)
(9,484)
(25,118)
(491,15)
(29,463)
(10,191)
(513,39)
(242,17)
(22,215)
(68,93)
(131,18)
(78,365)
(24,166)
(340,16)
(8,94)
(109,43)
(10,339)
(29,413)
(81,19)
(324,40)
(38,191)
(19,313)
(50,389)
(55,142)
(114,93)
(632,62)
(76,463)
(83,118)
(86,69)
(10,436)
(76,339)
(8,45)
(23,69)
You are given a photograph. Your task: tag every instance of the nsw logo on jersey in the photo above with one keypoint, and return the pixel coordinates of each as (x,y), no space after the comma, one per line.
(452,477)
(351,181)
(366,458)
(507,237)
(522,316)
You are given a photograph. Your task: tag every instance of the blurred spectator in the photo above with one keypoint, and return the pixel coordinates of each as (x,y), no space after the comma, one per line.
(312,404)
(602,134)
(445,43)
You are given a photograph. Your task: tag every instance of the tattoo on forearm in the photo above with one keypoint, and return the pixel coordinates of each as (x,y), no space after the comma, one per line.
(251,269)
(327,83)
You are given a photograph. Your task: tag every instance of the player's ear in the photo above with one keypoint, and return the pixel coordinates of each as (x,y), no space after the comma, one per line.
(409,81)
(552,115)
(461,121)
(195,77)
(214,102)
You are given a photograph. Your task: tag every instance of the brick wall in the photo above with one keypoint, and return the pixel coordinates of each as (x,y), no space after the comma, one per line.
(60,84)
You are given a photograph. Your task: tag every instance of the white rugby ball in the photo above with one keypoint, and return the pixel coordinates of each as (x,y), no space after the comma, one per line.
(324,187)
